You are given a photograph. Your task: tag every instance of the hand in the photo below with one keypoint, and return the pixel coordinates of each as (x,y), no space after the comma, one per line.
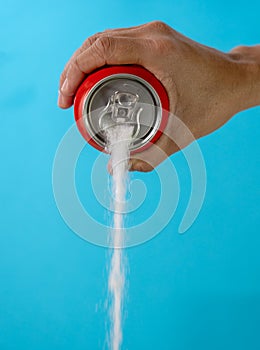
(206,87)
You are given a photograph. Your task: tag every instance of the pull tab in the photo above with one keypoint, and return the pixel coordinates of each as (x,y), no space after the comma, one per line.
(122,108)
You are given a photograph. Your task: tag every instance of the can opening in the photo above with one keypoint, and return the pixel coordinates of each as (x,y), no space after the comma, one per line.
(122,108)
(122,99)
(119,95)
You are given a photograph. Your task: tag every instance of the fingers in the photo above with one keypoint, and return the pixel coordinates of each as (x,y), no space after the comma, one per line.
(105,50)
(131,32)
(176,136)
(65,101)
(87,43)
(66,91)
(147,29)
(149,159)
(64,73)
(110,50)
(125,30)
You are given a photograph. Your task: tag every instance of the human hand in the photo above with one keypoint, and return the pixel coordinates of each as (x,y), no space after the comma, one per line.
(206,87)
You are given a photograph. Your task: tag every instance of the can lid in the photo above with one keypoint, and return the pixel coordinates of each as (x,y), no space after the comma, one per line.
(126,94)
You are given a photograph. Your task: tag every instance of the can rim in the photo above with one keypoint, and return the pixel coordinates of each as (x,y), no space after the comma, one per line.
(105,72)
(114,77)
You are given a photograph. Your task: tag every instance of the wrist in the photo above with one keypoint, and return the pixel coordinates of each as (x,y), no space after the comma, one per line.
(247,62)
(251,85)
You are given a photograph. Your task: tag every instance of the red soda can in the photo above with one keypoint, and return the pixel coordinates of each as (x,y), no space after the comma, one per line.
(118,95)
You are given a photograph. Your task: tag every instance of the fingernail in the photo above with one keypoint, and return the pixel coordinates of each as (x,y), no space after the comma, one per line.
(64,85)
(60,99)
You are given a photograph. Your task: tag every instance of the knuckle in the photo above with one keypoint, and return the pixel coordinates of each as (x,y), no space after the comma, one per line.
(241,48)
(104,46)
(160,26)
(62,77)
(90,41)
(160,46)
(74,68)
(238,52)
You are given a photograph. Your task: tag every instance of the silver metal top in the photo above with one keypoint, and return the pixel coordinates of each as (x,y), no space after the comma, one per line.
(122,98)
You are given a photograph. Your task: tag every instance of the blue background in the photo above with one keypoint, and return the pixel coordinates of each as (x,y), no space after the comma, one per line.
(199,290)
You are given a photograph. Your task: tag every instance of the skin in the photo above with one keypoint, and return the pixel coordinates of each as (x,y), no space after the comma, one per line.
(206,87)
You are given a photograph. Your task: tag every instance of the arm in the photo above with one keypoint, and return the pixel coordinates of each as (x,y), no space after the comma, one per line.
(206,87)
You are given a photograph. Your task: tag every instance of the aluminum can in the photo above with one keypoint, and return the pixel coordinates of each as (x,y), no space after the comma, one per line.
(117,95)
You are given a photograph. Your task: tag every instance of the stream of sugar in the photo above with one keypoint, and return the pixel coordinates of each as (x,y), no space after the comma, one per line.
(119,140)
